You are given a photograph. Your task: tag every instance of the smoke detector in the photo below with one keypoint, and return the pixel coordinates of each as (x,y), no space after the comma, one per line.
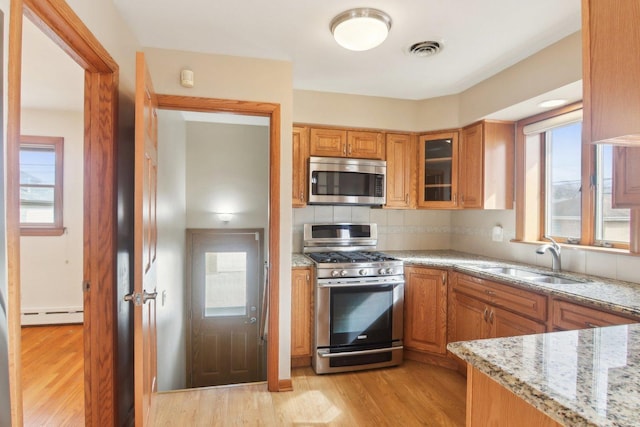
(425,48)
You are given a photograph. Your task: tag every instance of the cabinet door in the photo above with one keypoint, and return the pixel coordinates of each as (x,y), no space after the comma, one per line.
(328,142)
(400,171)
(506,324)
(438,171)
(568,316)
(300,148)
(425,305)
(471,167)
(626,177)
(301,312)
(469,318)
(365,145)
(611,66)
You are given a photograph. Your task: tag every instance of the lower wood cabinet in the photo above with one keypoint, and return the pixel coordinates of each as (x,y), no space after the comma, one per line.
(301,316)
(481,308)
(491,404)
(425,310)
(568,316)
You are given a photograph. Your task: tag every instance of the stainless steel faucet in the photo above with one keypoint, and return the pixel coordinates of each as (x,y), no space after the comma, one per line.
(554,248)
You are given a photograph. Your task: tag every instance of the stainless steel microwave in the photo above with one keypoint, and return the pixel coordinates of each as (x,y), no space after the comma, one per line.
(346,181)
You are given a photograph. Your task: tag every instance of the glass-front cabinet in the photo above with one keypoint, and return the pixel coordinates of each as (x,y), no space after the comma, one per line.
(438,175)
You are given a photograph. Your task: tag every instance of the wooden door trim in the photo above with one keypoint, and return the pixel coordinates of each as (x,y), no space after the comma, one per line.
(56,19)
(271,110)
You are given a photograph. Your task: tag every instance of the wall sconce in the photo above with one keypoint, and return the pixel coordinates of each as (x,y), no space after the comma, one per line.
(225,217)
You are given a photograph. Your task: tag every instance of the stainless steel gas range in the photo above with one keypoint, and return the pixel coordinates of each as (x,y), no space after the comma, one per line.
(359,297)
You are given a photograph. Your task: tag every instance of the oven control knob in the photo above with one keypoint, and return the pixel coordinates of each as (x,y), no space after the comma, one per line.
(362,272)
(389,270)
(381,271)
(335,273)
(343,273)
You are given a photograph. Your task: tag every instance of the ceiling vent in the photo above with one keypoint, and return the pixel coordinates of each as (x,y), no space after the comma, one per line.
(426,48)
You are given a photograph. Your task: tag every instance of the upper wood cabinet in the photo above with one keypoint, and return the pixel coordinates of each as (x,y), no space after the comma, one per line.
(611,66)
(486,165)
(425,308)
(626,177)
(400,171)
(343,143)
(300,148)
(438,170)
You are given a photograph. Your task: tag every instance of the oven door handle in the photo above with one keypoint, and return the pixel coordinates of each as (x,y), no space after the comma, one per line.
(326,354)
(358,284)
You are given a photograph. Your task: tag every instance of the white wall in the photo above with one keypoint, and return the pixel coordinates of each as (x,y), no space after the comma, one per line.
(171,214)
(51,266)
(227,172)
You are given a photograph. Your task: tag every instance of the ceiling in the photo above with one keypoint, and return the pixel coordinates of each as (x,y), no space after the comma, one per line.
(480,38)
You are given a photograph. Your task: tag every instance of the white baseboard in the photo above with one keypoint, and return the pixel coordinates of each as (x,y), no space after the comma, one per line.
(51,316)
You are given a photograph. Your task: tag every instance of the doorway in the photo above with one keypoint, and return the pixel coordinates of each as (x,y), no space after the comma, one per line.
(51,262)
(272,113)
(226,329)
(57,20)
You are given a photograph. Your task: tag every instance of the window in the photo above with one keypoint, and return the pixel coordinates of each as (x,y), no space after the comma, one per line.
(564,187)
(41,185)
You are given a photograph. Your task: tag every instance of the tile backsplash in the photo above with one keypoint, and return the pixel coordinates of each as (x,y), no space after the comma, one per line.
(466,231)
(397,229)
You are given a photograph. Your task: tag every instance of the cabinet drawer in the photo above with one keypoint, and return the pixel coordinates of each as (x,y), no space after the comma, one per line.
(520,301)
(568,315)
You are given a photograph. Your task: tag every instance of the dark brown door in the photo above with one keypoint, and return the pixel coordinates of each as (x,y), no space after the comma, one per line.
(225,283)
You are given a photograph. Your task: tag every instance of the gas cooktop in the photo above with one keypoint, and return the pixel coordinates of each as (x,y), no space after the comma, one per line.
(349,257)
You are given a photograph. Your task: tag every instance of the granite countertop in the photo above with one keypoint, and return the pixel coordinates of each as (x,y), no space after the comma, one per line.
(609,294)
(300,261)
(578,378)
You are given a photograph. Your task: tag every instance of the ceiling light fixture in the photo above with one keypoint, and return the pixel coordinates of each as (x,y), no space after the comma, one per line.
(360,29)
(550,103)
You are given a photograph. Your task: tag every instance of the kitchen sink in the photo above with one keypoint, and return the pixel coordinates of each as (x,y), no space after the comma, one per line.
(515,272)
(530,275)
(556,280)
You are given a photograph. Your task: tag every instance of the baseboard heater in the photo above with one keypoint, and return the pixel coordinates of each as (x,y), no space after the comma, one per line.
(51,316)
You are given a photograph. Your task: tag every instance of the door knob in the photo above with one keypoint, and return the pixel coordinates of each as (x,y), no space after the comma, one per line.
(146,296)
(252,320)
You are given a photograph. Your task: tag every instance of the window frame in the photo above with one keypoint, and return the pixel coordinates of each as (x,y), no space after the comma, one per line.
(57,227)
(531,228)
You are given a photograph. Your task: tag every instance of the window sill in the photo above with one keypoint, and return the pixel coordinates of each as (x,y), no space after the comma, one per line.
(40,231)
(567,246)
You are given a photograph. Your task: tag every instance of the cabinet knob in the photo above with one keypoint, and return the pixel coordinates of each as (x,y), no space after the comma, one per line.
(491,317)
(485,313)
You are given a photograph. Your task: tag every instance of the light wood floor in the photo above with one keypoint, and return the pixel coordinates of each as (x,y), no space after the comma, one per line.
(413,394)
(53,375)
